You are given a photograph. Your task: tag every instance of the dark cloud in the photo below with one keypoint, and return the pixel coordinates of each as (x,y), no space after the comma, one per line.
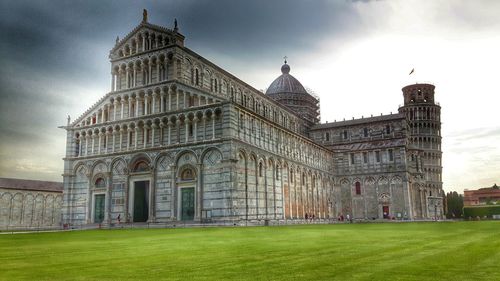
(54,52)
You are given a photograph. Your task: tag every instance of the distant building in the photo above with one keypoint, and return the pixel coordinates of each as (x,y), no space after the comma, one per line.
(482,196)
(30,204)
(178,138)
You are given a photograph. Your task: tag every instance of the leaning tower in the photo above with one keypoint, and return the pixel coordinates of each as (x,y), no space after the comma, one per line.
(423,115)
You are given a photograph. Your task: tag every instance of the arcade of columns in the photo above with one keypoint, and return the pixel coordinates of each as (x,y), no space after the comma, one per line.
(150,104)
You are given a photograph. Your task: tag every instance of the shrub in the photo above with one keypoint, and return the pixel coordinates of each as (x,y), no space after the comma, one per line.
(481,211)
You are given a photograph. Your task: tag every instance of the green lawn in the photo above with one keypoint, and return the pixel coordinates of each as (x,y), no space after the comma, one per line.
(388,251)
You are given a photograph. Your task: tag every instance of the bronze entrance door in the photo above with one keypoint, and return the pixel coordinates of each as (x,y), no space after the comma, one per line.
(141,201)
(385,211)
(187,204)
(99,208)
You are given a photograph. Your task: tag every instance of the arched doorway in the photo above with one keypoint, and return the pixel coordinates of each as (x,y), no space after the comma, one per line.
(186,191)
(139,192)
(99,201)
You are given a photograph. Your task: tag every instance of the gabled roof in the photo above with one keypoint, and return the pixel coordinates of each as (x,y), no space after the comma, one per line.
(144,24)
(35,185)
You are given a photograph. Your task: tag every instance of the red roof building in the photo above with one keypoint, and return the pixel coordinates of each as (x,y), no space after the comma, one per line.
(482,196)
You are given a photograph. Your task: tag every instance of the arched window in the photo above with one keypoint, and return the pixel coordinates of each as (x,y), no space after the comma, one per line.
(260,169)
(358,188)
(277,172)
(100,183)
(291,175)
(327,136)
(365,132)
(196,77)
(141,166)
(187,174)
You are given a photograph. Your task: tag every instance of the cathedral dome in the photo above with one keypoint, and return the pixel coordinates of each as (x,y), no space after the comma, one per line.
(286,83)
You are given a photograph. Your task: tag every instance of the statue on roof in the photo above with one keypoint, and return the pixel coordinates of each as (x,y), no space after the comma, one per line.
(117,40)
(144,15)
(176,28)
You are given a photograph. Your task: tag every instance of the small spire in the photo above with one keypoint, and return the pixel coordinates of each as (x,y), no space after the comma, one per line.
(176,27)
(117,40)
(285,57)
(144,15)
(69,120)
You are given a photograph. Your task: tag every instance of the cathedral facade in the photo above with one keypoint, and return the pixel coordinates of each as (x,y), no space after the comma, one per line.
(180,139)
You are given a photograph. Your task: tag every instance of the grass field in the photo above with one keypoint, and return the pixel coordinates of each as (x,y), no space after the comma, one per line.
(388,251)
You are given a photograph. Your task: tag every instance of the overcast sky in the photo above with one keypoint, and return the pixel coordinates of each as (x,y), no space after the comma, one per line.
(356,55)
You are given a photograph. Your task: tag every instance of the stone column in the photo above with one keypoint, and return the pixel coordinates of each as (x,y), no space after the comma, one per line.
(204,118)
(152,197)
(143,69)
(129,138)
(195,128)
(136,106)
(121,132)
(126,205)
(87,144)
(129,109)
(169,99)
(99,143)
(213,126)
(122,102)
(93,140)
(106,140)
(174,69)
(169,125)
(136,137)
(134,78)
(178,127)
(186,123)
(119,79)
(112,81)
(145,135)
(146,105)
(103,116)
(153,128)
(162,101)
(115,109)
(108,197)
(177,100)
(175,188)
(199,195)
(114,141)
(153,104)
(157,70)
(162,125)
(150,76)
(127,73)
(80,145)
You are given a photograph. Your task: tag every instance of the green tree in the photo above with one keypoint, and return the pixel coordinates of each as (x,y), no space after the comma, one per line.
(455,205)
